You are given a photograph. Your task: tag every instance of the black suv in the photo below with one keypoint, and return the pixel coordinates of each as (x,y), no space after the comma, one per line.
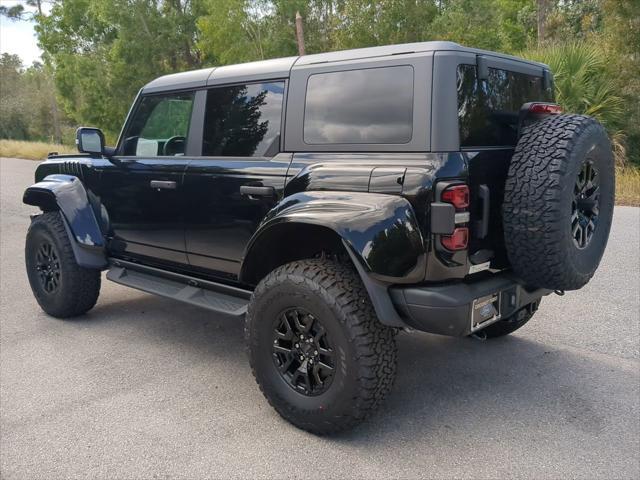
(332,200)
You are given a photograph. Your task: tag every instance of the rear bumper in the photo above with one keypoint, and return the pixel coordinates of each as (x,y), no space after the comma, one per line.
(460,309)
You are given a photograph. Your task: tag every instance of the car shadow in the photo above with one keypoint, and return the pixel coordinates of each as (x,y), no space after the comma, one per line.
(443,383)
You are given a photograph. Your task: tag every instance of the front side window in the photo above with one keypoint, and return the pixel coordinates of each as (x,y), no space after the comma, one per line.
(368,106)
(159,126)
(488,110)
(243,120)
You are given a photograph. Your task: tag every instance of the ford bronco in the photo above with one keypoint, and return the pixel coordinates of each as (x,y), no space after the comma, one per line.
(331,200)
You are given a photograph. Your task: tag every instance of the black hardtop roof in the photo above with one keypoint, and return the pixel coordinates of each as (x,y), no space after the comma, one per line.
(278,68)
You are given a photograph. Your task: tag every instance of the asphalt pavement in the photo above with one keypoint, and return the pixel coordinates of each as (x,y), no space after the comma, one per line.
(145,387)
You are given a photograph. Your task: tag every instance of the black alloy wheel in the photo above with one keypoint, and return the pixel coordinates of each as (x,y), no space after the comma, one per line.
(48,267)
(62,288)
(302,352)
(318,353)
(585,207)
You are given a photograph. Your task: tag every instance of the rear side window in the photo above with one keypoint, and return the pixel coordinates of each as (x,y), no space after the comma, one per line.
(488,110)
(159,126)
(243,120)
(366,106)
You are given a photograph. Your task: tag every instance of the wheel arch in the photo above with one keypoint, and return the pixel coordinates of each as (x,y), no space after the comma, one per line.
(379,234)
(286,242)
(66,194)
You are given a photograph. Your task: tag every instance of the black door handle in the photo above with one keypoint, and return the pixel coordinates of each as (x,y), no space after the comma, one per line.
(254,191)
(167,185)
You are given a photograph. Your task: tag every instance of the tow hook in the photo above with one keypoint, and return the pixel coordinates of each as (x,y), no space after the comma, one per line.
(481,335)
(559,292)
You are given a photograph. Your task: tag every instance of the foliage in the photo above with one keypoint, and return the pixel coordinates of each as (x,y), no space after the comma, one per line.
(581,81)
(25,100)
(621,42)
(102,52)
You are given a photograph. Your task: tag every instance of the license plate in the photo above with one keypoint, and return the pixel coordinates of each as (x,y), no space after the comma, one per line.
(485,310)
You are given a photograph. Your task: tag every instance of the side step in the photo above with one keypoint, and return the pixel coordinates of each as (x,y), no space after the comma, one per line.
(213,296)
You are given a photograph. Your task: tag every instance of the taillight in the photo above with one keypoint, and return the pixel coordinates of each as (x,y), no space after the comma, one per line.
(458,240)
(545,108)
(457,195)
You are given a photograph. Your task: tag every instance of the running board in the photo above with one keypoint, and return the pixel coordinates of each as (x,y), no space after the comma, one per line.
(213,296)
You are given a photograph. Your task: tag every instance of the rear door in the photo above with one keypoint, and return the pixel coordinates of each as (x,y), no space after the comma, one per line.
(239,176)
(489,92)
(143,193)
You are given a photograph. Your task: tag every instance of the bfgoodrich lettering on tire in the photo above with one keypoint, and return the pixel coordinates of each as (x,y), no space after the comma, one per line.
(317,350)
(558,204)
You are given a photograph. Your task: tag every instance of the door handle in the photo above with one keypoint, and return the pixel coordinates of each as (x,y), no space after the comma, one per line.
(164,184)
(254,191)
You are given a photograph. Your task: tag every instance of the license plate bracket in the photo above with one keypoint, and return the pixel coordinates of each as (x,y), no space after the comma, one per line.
(485,311)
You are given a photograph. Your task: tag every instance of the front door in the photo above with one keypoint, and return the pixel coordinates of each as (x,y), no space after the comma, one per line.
(143,190)
(239,177)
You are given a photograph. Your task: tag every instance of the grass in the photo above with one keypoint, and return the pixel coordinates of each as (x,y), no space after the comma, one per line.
(628,186)
(31,150)
(627,178)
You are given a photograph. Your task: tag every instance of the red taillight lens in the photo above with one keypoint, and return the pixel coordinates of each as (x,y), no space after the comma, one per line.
(457,195)
(548,108)
(458,240)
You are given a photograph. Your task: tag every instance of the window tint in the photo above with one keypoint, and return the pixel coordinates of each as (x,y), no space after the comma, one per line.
(243,120)
(488,110)
(159,126)
(373,105)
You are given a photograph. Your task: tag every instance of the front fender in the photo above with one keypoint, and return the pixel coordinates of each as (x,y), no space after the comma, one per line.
(381,231)
(67,194)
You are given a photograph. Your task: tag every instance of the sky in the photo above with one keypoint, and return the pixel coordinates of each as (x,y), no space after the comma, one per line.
(18,37)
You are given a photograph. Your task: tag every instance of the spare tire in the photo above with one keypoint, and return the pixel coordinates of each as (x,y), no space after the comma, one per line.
(558,203)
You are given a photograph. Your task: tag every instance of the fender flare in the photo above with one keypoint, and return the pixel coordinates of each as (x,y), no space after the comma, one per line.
(380,233)
(66,194)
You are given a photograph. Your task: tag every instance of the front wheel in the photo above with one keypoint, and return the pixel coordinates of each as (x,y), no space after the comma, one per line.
(62,288)
(318,353)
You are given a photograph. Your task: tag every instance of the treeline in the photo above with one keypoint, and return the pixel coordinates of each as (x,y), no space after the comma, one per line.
(99,53)
(28,109)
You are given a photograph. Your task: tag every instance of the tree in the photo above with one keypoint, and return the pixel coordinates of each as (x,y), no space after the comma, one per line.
(25,101)
(621,35)
(18,12)
(583,85)
(104,52)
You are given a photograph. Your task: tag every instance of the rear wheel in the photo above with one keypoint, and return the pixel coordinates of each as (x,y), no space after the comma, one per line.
(62,288)
(318,353)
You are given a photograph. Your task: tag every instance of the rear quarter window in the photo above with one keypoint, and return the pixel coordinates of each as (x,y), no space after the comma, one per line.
(367,106)
(488,110)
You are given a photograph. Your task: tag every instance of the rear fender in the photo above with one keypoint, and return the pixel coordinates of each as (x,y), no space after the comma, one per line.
(380,230)
(65,193)
(380,233)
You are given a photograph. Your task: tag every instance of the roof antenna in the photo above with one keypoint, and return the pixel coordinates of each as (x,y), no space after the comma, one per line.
(299,34)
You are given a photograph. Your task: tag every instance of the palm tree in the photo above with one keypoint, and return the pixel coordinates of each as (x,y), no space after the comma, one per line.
(583,85)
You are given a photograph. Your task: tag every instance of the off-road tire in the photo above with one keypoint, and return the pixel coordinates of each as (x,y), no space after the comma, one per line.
(365,348)
(510,324)
(540,198)
(78,288)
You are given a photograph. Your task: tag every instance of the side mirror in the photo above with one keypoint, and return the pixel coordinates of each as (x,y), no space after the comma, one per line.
(90,140)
